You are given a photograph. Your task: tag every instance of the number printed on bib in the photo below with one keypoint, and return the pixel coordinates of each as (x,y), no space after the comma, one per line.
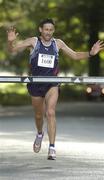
(46,60)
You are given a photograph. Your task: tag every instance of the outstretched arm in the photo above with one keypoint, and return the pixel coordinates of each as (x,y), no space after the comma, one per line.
(17,46)
(98,46)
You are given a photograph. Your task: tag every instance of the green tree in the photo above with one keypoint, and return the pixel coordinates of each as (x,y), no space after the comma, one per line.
(92,16)
(78,23)
(86,22)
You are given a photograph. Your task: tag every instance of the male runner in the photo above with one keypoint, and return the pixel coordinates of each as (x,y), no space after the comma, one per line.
(44,58)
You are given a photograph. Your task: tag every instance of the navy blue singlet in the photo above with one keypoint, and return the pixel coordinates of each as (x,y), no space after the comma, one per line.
(43,62)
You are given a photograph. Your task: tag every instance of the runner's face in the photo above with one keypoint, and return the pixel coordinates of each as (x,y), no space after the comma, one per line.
(47,31)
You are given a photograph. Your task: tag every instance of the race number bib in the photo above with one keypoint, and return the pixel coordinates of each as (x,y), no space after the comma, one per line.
(46,60)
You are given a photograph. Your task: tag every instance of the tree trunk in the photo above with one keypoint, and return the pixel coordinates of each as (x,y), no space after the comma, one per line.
(94,61)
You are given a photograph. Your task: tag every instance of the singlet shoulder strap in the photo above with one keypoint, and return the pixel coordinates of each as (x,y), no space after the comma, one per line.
(55,47)
(36,45)
(35,50)
(55,44)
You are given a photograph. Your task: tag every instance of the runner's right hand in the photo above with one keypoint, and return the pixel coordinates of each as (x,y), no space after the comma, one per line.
(11,34)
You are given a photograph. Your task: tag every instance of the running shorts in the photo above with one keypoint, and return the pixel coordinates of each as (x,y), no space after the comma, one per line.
(37,89)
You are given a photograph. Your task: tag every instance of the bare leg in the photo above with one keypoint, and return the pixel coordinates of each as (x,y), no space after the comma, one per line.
(38,105)
(51,101)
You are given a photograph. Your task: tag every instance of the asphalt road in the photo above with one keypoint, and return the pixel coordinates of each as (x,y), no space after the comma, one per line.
(79,144)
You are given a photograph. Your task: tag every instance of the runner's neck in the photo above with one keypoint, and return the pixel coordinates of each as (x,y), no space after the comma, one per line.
(46,43)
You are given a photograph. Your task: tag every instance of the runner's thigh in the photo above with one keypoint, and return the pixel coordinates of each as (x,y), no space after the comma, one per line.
(38,103)
(51,97)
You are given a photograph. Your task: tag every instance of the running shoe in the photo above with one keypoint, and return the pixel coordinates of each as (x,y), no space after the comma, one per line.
(51,153)
(37,143)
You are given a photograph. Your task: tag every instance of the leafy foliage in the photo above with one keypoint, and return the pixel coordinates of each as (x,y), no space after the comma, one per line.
(76,23)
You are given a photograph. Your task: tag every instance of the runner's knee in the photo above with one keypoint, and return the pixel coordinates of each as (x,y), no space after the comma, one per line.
(38,116)
(50,113)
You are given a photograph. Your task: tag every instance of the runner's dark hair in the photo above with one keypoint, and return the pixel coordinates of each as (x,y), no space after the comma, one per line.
(45,21)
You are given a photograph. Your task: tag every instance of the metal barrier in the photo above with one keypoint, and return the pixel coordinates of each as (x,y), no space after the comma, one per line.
(51,79)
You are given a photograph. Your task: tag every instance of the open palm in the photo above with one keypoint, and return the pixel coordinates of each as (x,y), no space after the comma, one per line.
(98,46)
(12,34)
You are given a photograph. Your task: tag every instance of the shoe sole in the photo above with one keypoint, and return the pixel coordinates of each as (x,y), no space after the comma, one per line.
(51,158)
(35,148)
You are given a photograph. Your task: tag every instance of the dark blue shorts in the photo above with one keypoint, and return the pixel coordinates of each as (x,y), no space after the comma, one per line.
(40,89)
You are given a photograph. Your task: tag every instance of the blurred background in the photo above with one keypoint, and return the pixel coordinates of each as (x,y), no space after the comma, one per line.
(78,23)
